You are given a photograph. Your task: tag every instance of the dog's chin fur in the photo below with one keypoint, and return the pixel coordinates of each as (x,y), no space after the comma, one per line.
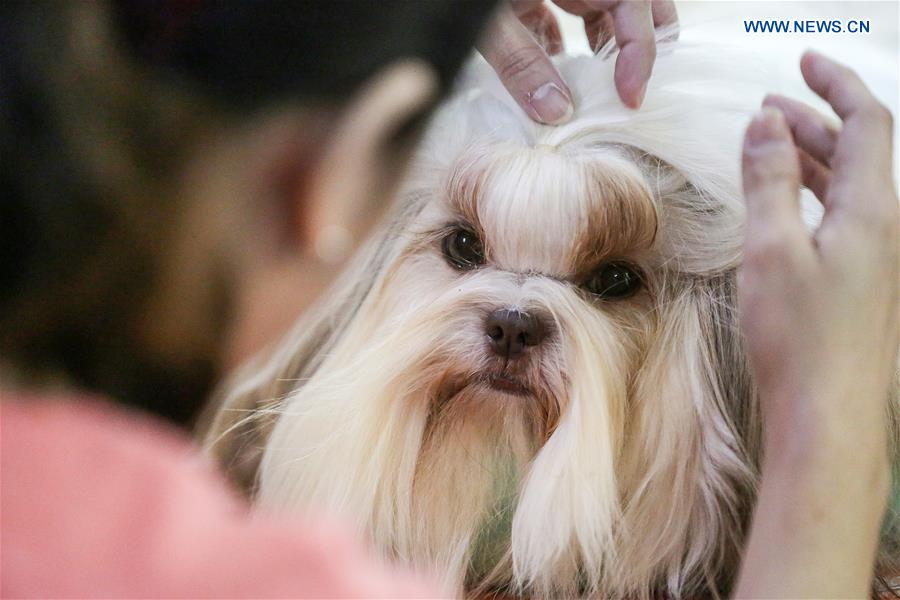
(619,456)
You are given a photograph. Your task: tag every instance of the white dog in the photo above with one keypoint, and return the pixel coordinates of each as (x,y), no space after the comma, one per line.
(533,381)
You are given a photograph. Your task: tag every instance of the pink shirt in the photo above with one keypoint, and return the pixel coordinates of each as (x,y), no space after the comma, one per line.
(99,502)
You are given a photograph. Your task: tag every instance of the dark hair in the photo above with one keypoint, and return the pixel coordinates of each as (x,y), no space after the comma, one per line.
(248,51)
(99,103)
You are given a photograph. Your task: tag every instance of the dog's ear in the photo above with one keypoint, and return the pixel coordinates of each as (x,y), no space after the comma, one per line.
(691,466)
(236,425)
(235,438)
(731,419)
(887,567)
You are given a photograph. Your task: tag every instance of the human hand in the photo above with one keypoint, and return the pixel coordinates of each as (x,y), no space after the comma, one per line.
(820,312)
(820,317)
(527,33)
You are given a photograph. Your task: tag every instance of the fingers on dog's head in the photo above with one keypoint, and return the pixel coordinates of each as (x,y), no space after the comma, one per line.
(637,50)
(526,70)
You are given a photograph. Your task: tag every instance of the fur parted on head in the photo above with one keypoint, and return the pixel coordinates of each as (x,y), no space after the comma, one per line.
(533,380)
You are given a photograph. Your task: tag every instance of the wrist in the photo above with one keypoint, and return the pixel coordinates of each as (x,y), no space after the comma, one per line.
(844,437)
(804,420)
(825,459)
(803,464)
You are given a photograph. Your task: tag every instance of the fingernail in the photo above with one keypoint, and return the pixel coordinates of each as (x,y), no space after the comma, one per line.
(767,125)
(809,55)
(640,96)
(811,52)
(551,104)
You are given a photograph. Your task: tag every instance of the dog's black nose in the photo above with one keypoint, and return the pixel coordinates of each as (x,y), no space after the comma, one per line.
(510,331)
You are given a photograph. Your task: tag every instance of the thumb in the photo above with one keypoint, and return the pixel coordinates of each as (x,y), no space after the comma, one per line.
(526,71)
(771,176)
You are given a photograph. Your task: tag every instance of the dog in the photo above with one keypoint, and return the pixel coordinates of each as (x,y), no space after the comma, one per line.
(532,382)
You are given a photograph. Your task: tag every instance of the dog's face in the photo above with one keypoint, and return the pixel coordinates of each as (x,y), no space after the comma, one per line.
(506,284)
(510,400)
(534,380)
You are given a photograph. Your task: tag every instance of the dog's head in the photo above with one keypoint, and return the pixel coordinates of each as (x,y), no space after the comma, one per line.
(534,378)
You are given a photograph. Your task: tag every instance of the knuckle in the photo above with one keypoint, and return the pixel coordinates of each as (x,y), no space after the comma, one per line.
(639,6)
(768,170)
(519,62)
(873,207)
(883,115)
(651,46)
(878,217)
(766,250)
(877,113)
(773,163)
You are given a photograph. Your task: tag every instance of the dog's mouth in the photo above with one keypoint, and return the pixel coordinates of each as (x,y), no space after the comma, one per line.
(503,389)
(502,381)
(508,384)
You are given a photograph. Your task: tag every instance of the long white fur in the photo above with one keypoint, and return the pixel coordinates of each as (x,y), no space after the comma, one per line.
(641,487)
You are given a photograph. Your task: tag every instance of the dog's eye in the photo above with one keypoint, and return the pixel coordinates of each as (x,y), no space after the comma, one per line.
(463,249)
(614,280)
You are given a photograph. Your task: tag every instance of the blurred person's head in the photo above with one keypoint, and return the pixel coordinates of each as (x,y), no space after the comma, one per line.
(180,178)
